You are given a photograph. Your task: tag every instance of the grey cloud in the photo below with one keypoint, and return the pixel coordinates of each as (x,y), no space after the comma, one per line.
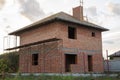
(114,8)
(2,2)
(92,11)
(108,42)
(31,9)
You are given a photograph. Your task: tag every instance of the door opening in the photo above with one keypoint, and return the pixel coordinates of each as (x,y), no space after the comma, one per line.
(70,59)
(90,63)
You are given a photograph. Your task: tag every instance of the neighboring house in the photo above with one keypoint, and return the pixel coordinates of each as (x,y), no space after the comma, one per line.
(61,43)
(113,65)
(115,56)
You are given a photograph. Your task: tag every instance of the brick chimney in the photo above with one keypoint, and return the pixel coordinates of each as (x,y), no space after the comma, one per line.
(78,13)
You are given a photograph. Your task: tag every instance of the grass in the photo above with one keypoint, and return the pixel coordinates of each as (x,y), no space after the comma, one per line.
(44,77)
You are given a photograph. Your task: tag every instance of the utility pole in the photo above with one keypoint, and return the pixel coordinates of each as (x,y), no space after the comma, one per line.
(107,60)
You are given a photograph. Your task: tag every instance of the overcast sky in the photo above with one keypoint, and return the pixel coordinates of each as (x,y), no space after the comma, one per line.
(15,14)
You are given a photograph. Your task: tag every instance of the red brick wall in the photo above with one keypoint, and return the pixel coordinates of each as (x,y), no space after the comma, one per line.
(42,33)
(82,63)
(84,42)
(84,39)
(49,60)
(78,13)
(60,30)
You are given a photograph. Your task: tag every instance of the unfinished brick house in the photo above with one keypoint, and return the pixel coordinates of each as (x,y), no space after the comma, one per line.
(61,43)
